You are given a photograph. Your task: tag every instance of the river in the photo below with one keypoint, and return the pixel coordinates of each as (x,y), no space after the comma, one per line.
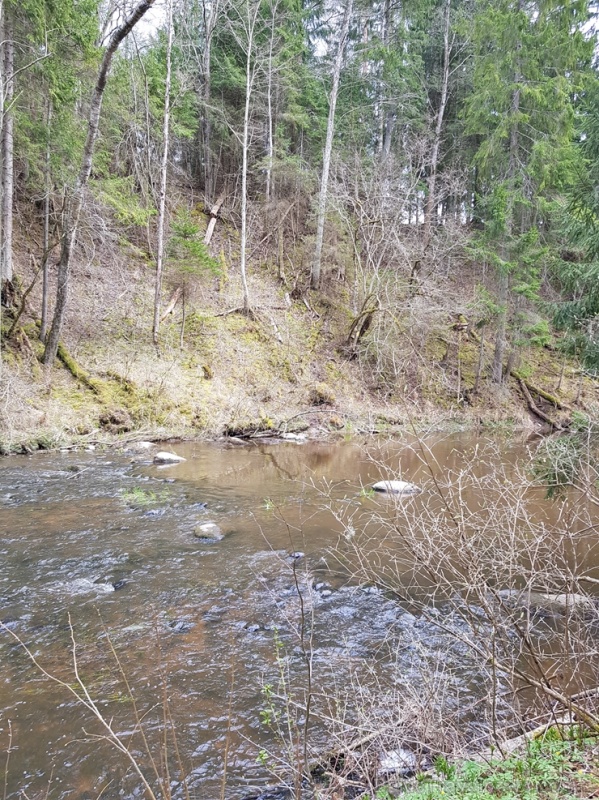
(100,548)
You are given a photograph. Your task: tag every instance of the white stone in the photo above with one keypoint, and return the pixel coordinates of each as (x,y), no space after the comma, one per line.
(209,531)
(397,761)
(396,487)
(167,458)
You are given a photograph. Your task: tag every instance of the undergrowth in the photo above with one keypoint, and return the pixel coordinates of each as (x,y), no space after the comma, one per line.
(547,770)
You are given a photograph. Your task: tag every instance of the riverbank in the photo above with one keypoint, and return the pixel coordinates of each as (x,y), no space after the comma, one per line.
(549,768)
(290,365)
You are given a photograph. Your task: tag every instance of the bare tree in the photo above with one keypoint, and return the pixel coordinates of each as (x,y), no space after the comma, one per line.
(328,148)
(7,146)
(163,174)
(431,199)
(75,201)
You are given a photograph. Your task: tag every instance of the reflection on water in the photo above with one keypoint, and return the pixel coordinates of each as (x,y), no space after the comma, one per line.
(108,542)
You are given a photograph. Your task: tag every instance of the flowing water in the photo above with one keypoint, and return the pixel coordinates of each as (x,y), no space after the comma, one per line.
(99,548)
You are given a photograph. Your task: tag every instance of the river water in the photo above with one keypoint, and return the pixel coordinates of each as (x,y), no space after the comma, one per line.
(99,548)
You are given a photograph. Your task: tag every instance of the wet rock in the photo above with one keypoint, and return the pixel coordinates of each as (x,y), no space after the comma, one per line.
(252,627)
(209,532)
(554,603)
(163,457)
(83,586)
(180,626)
(399,762)
(396,487)
(275,793)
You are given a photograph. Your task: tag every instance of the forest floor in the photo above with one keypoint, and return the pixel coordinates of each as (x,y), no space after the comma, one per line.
(288,366)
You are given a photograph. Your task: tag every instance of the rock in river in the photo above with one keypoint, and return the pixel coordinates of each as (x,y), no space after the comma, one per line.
(167,458)
(208,531)
(396,487)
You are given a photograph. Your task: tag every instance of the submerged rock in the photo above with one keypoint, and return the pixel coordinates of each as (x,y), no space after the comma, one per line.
(167,458)
(396,487)
(555,603)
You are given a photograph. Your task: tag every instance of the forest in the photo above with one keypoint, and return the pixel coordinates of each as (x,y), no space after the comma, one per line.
(301,298)
(406,191)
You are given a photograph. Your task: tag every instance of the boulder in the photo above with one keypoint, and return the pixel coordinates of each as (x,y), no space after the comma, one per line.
(400,761)
(208,531)
(396,487)
(167,458)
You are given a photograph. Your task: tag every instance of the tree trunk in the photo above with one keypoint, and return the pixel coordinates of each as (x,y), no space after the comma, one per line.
(8,53)
(328,148)
(46,229)
(269,120)
(431,201)
(505,250)
(252,15)
(163,174)
(75,202)
(209,19)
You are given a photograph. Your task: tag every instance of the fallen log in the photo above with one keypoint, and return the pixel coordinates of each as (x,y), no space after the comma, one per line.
(214,212)
(171,303)
(551,398)
(76,371)
(534,409)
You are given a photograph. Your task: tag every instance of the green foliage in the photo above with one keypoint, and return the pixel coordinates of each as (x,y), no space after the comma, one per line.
(187,253)
(564,461)
(577,270)
(119,193)
(545,770)
(142,498)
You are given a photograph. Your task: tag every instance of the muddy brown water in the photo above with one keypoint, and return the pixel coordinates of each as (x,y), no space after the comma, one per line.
(199,628)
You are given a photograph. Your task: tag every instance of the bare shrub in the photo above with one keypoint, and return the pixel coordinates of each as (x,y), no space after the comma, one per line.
(501,578)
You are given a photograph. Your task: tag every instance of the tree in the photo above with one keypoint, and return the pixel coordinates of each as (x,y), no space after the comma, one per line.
(7,89)
(163,172)
(528,61)
(577,268)
(328,147)
(75,202)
